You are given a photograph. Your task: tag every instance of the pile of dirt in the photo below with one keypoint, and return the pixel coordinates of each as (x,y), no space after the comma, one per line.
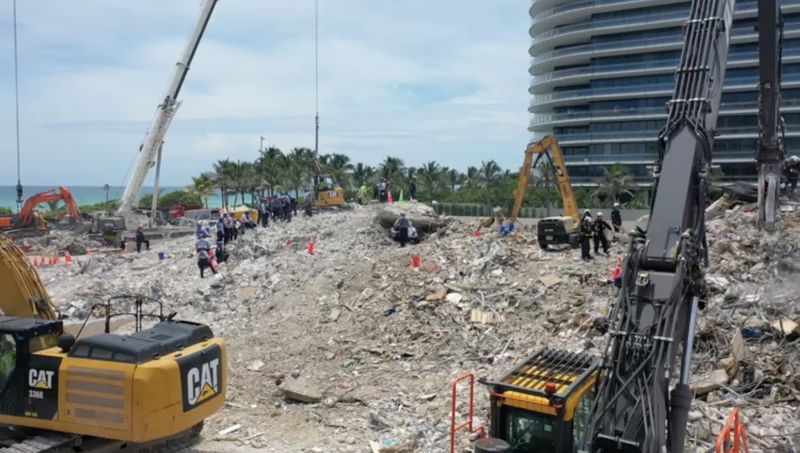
(352,348)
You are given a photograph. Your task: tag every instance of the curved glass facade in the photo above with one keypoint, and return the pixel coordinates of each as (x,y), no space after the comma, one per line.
(602,73)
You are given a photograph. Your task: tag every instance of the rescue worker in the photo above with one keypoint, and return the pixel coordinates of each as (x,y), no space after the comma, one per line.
(401,224)
(363,195)
(287,207)
(308,204)
(792,171)
(140,239)
(277,209)
(220,230)
(293,204)
(230,228)
(586,234)
(382,190)
(599,227)
(198,231)
(412,188)
(220,254)
(263,210)
(203,256)
(616,218)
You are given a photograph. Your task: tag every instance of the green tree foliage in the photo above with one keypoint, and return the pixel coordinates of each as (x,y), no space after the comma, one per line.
(178,197)
(5,211)
(274,171)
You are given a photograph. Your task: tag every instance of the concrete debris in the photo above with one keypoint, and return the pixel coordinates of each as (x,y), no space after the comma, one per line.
(702,384)
(550,280)
(377,355)
(255,365)
(300,389)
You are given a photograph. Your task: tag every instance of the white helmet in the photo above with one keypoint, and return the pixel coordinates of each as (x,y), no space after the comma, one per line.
(616,204)
(794,158)
(599,214)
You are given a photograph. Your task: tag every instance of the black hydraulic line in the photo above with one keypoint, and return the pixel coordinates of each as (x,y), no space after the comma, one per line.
(634,411)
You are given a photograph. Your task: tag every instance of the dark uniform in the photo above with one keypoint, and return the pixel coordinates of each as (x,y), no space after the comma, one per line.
(402,229)
(141,240)
(586,235)
(599,226)
(616,220)
(792,171)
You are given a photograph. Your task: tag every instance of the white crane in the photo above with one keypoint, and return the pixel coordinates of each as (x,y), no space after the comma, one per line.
(164,114)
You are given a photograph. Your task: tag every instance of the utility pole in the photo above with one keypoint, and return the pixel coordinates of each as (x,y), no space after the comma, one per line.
(316,78)
(106,187)
(261,148)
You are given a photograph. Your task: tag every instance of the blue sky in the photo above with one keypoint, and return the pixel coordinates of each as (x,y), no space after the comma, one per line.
(422,80)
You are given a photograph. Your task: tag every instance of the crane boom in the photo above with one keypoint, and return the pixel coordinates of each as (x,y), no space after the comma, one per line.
(663,284)
(771,128)
(164,114)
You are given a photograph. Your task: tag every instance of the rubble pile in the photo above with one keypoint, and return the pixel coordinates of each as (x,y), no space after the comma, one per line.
(57,242)
(353,348)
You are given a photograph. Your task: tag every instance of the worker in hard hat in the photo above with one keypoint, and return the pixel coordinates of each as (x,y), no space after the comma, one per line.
(792,172)
(599,228)
(616,218)
(586,235)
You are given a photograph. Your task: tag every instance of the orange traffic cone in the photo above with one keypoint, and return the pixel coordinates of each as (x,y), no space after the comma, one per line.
(288,242)
(35,263)
(389,199)
(67,258)
(310,248)
(41,261)
(477,233)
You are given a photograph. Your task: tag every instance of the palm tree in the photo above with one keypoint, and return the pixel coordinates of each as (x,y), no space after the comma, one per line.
(223,178)
(453,177)
(392,169)
(544,183)
(489,176)
(616,180)
(339,166)
(362,174)
(203,186)
(472,177)
(268,168)
(430,175)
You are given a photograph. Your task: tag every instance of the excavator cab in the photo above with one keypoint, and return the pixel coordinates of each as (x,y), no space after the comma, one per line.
(543,404)
(327,191)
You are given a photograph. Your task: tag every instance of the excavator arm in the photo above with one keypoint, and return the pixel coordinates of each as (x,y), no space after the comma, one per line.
(771,129)
(547,146)
(663,284)
(21,291)
(63,194)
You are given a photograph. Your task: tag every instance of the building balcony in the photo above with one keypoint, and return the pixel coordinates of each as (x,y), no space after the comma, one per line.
(639,91)
(546,81)
(545,122)
(635,21)
(643,158)
(589,138)
(582,11)
(542,62)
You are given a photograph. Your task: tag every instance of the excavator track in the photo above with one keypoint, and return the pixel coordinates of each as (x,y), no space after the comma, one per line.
(52,442)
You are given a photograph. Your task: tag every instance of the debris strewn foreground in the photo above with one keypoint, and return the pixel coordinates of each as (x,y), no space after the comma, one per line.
(351,349)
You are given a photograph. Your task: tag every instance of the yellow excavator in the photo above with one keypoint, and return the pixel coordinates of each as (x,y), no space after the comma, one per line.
(550,230)
(150,389)
(327,192)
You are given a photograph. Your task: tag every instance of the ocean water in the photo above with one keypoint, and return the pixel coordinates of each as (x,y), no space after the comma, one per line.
(84,195)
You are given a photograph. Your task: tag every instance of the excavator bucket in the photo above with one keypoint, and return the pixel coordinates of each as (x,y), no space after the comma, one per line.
(21,291)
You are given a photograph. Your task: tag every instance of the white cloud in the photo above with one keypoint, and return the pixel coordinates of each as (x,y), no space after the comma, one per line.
(93,72)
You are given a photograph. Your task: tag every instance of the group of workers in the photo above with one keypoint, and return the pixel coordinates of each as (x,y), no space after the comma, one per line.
(280,207)
(595,229)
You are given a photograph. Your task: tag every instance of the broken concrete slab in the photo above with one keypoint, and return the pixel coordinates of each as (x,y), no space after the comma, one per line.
(705,383)
(300,389)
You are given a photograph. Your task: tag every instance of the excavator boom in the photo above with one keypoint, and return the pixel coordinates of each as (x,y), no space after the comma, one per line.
(25,218)
(771,128)
(548,146)
(21,291)
(663,283)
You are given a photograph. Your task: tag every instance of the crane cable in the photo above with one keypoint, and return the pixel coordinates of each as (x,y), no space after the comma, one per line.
(16,99)
(316,78)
